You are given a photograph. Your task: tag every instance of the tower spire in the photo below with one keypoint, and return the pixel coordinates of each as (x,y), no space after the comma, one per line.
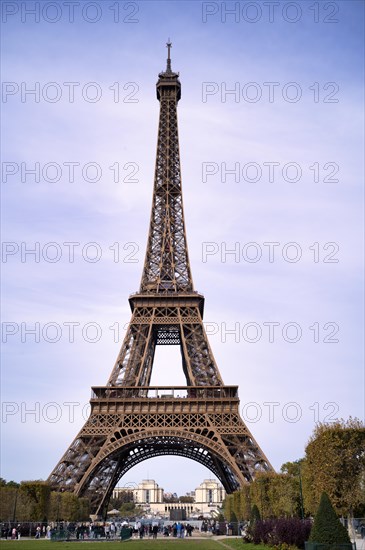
(167,268)
(169,46)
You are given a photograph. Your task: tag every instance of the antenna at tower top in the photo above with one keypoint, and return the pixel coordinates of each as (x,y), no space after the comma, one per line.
(169,46)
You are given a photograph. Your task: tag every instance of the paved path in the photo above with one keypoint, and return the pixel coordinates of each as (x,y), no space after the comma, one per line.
(360,544)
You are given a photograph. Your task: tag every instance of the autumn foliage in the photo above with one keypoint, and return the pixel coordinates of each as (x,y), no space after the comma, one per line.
(34,501)
(335,464)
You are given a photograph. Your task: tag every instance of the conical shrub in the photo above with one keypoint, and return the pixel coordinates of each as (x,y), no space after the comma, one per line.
(255,514)
(327,528)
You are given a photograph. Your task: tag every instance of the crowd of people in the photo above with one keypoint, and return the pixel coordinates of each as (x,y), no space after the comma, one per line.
(177,530)
(62,530)
(111,530)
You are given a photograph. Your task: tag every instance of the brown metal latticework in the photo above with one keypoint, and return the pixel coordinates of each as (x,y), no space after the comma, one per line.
(130,420)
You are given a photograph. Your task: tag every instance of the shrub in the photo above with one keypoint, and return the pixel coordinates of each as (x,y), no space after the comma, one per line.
(255,514)
(250,531)
(288,531)
(327,528)
(234,524)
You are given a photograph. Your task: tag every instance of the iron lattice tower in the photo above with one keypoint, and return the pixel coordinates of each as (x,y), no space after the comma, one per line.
(131,421)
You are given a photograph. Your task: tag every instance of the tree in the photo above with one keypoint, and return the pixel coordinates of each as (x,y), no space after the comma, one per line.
(255,517)
(238,504)
(259,493)
(255,514)
(242,503)
(4,483)
(170,499)
(122,498)
(11,507)
(234,522)
(8,503)
(12,484)
(227,506)
(34,501)
(37,493)
(67,507)
(186,499)
(292,469)
(84,509)
(276,495)
(295,471)
(327,528)
(129,509)
(335,464)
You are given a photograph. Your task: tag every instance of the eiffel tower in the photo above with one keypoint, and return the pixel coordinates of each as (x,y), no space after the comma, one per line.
(131,421)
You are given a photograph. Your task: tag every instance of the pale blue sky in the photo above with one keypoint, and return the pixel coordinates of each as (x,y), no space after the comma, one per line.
(312,375)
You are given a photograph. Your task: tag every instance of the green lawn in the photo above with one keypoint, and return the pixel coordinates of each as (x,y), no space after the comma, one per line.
(237,543)
(159,544)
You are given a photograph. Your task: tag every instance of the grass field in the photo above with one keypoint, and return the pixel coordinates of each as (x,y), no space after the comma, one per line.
(159,544)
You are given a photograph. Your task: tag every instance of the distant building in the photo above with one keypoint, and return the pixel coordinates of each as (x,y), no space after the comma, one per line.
(208,497)
(148,492)
(119,491)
